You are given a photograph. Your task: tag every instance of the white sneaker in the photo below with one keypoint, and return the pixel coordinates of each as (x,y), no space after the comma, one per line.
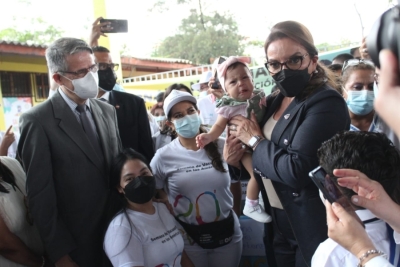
(257,213)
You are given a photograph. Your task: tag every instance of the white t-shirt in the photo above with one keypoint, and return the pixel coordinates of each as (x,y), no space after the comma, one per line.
(196,190)
(153,240)
(208,115)
(331,254)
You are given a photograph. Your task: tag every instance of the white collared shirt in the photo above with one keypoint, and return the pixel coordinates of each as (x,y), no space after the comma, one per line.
(106,97)
(331,254)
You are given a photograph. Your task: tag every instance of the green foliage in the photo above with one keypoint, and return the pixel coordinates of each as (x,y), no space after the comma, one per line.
(37,32)
(199,42)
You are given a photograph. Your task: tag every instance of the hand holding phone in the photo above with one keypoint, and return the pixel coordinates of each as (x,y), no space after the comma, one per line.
(115,25)
(215,84)
(331,191)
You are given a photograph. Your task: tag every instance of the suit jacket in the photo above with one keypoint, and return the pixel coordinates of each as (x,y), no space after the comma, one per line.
(133,122)
(292,153)
(67,183)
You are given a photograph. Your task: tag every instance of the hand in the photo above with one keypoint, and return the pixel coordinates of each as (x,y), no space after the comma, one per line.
(346,231)
(233,150)
(203,139)
(244,129)
(363,49)
(97,31)
(370,195)
(6,142)
(66,261)
(388,99)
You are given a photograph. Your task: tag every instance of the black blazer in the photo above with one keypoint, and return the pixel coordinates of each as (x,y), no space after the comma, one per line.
(67,183)
(292,154)
(133,122)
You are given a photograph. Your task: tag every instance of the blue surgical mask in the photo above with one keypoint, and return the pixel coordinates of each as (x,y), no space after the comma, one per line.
(360,102)
(159,118)
(188,126)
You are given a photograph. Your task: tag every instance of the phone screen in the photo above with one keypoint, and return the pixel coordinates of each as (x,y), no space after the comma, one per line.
(116,25)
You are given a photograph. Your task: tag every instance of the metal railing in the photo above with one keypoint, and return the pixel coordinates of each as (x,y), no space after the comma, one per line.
(169,74)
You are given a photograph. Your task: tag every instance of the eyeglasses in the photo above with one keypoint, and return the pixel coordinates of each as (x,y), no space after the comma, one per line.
(355,62)
(293,63)
(104,66)
(82,73)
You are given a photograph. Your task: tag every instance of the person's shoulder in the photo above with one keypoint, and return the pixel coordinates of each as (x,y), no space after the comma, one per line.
(125,95)
(325,91)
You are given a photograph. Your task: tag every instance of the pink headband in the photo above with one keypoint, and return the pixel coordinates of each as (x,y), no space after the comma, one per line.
(221,69)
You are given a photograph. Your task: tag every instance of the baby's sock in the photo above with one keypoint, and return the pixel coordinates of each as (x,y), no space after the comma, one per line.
(251,202)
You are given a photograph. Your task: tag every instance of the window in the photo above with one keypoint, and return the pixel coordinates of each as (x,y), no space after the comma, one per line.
(42,86)
(15,84)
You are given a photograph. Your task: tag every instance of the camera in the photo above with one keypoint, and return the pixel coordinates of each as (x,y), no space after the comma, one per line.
(219,60)
(385,34)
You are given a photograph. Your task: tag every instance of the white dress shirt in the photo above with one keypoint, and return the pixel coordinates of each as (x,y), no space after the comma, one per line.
(331,254)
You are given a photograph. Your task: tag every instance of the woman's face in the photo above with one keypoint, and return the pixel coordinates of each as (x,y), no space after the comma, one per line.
(282,50)
(359,80)
(182,109)
(132,168)
(158,112)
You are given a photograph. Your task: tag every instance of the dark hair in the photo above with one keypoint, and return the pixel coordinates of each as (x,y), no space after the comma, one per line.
(335,67)
(301,35)
(118,202)
(160,97)
(8,177)
(349,70)
(100,49)
(325,62)
(371,153)
(176,86)
(343,57)
(211,148)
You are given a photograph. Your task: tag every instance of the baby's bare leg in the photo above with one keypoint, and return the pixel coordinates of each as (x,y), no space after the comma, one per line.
(252,186)
(252,208)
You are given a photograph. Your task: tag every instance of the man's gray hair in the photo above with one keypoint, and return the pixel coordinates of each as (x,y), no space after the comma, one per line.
(58,51)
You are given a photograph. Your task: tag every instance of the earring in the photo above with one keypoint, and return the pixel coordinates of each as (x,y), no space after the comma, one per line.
(315,71)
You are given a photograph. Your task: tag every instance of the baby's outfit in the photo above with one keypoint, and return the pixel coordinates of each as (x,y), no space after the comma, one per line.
(229,107)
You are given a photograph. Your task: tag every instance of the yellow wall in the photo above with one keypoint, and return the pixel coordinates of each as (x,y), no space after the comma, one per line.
(17,63)
(23,64)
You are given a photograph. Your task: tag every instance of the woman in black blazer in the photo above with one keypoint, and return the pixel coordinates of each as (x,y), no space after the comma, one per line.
(302,114)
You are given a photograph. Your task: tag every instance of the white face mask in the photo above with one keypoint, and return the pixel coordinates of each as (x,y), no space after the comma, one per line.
(85,87)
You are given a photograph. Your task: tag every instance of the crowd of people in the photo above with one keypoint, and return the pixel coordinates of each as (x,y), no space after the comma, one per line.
(100,181)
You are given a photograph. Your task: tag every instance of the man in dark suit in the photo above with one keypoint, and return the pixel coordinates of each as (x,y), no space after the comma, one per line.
(67,144)
(133,121)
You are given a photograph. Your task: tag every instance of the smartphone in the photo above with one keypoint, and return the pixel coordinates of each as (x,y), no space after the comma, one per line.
(331,191)
(116,25)
(215,84)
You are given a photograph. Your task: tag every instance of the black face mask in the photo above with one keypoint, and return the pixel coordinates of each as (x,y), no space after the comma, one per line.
(107,79)
(141,189)
(292,82)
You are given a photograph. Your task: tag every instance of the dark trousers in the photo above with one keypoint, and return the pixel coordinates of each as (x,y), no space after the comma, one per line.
(286,249)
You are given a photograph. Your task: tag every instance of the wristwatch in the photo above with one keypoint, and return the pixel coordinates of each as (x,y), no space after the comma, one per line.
(253,142)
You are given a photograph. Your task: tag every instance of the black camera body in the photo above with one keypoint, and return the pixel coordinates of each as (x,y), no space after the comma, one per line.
(385,34)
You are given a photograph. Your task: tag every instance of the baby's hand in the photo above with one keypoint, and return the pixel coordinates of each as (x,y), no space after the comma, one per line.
(203,139)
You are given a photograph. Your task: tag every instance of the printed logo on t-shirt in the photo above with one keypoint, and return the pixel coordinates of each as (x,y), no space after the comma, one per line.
(196,168)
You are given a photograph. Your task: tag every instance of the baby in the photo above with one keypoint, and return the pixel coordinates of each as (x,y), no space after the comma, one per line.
(236,79)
